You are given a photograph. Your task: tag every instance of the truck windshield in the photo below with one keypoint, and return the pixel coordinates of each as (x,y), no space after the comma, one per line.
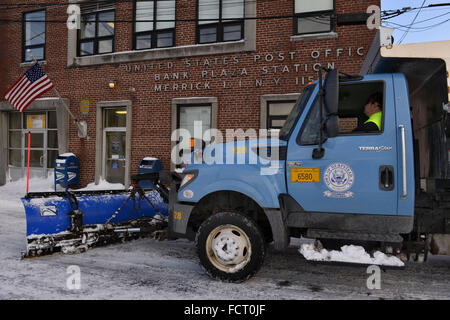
(296,112)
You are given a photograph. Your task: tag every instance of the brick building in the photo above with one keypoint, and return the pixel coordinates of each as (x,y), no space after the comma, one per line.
(137,70)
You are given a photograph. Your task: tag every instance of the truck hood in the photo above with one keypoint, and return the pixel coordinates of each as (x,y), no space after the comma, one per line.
(249,167)
(262,152)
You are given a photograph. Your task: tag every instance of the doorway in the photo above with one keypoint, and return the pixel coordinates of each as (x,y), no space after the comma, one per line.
(114,144)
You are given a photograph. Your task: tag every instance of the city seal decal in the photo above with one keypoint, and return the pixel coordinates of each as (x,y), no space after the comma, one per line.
(339,178)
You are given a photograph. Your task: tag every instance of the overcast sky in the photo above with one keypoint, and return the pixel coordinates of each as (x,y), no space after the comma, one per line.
(425,34)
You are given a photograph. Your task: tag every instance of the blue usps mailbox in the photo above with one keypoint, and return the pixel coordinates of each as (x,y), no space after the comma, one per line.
(149,165)
(67,170)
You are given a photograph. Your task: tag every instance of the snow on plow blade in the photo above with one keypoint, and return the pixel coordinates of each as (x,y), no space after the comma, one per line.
(74,221)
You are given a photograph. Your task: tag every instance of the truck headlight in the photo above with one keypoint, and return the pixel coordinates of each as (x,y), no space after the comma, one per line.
(188,177)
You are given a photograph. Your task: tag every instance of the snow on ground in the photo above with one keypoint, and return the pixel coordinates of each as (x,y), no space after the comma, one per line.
(155,270)
(349,254)
(11,192)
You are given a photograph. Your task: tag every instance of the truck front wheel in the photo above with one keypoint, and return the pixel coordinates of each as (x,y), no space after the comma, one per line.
(230,246)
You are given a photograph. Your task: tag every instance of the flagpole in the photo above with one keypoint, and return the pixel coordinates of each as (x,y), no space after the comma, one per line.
(82,126)
(65,105)
(28,163)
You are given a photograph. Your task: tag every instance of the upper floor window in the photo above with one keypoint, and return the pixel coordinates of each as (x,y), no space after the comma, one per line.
(313,16)
(96,35)
(220,20)
(33,35)
(154,24)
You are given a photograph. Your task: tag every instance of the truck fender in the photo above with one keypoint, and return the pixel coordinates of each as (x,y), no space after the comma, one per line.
(273,214)
(241,187)
(280,233)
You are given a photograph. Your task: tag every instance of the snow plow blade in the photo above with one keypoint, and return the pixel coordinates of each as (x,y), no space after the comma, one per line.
(74,221)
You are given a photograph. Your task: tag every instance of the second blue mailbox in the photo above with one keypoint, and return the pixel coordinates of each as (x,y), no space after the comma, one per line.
(149,165)
(67,170)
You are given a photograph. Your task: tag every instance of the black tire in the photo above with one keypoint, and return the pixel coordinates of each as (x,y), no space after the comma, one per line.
(224,229)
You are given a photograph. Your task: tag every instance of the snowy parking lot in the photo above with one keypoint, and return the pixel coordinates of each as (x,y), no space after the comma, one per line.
(151,269)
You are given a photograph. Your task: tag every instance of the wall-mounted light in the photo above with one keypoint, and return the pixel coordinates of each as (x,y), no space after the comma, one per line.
(111,84)
(121,112)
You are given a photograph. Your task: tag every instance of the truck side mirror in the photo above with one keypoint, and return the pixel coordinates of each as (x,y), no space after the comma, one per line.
(329,101)
(332,103)
(332,126)
(332,92)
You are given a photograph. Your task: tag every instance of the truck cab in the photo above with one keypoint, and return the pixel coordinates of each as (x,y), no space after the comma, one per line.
(323,177)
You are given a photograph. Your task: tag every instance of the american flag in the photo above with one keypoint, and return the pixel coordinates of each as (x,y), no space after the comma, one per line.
(29,87)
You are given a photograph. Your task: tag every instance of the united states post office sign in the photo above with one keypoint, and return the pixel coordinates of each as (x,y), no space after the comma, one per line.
(84,107)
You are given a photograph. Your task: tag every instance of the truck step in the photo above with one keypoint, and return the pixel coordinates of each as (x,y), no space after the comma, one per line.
(355,265)
(331,234)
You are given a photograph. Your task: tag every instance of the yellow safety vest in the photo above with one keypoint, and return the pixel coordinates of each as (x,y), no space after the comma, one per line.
(375,118)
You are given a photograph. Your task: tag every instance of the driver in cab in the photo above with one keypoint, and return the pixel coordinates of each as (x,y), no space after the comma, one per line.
(373,110)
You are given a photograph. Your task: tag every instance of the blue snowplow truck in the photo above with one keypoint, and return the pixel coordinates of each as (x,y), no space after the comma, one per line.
(338,178)
(360,160)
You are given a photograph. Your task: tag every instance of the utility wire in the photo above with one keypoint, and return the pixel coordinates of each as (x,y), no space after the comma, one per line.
(412,22)
(418,22)
(418,29)
(316,19)
(212,3)
(228,4)
(321,19)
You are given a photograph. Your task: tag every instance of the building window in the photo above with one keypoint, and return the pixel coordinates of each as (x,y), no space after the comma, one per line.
(96,35)
(34,35)
(188,114)
(192,115)
(220,20)
(44,139)
(277,113)
(313,16)
(154,24)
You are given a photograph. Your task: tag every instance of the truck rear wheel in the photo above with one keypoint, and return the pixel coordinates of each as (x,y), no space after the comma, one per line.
(230,246)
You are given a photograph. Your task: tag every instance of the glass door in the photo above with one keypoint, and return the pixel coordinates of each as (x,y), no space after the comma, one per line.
(114,156)
(114,145)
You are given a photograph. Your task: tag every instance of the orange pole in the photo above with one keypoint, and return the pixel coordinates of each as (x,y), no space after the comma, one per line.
(28,166)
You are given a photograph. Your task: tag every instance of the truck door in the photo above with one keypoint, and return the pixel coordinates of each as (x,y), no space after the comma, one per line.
(357,174)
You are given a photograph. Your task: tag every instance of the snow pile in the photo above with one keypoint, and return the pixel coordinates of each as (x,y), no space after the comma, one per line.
(350,254)
(103,185)
(11,192)
(158,219)
(68,154)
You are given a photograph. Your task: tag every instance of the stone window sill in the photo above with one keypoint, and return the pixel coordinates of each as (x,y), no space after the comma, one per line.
(314,36)
(164,53)
(31,63)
